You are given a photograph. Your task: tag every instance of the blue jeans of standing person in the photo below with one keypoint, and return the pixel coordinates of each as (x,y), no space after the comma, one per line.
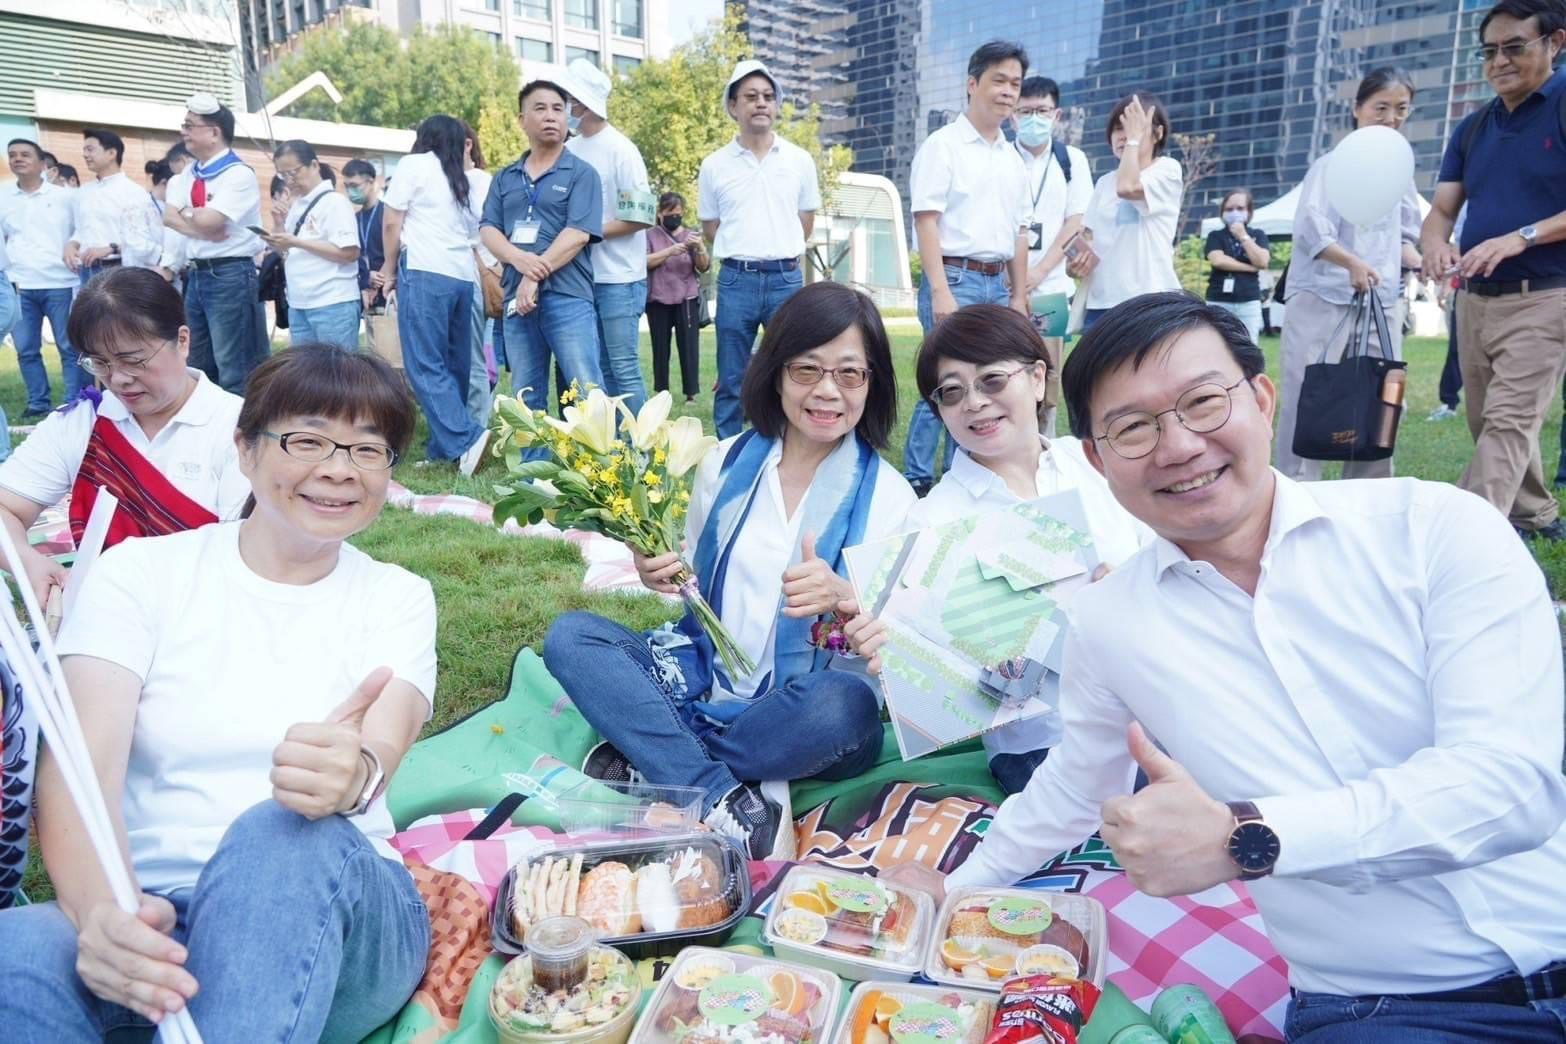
(562,328)
(620,307)
(227,323)
(478,370)
(9,308)
(643,708)
(86,272)
(748,293)
(1324,1018)
(34,307)
(296,930)
(924,427)
(435,323)
(329,324)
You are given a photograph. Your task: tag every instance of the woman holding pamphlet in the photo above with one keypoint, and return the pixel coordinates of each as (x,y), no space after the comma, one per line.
(246,690)
(771,511)
(984,369)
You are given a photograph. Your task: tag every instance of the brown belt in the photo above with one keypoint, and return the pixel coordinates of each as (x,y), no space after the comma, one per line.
(982,267)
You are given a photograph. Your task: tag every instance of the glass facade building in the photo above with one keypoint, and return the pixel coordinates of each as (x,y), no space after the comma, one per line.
(1272,80)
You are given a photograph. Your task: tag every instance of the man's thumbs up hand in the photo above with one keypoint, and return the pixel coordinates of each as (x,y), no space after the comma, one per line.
(317,769)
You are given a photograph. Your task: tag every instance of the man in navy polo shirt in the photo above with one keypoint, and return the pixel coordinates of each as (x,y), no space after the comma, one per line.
(541,218)
(1511,309)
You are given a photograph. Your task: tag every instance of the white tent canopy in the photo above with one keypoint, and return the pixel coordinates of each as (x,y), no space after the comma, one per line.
(1277,218)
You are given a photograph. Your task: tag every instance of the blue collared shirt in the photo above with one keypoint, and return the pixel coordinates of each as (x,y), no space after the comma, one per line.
(566,196)
(1514,175)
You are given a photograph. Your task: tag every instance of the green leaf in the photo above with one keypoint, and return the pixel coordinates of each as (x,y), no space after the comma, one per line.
(535,469)
(523,503)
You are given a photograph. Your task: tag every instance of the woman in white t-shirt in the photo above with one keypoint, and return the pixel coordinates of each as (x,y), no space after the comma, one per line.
(428,231)
(160,436)
(246,690)
(985,370)
(1135,208)
(319,242)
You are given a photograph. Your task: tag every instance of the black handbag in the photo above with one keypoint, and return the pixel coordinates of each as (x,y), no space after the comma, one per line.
(1344,406)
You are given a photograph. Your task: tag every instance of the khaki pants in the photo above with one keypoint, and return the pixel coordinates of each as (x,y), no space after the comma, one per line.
(1308,324)
(1512,351)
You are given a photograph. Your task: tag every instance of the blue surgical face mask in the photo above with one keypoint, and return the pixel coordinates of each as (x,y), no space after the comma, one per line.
(1233,217)
(573,123)
(1034,130)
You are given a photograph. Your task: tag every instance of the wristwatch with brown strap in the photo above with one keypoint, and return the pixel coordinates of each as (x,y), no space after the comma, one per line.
(1253,845)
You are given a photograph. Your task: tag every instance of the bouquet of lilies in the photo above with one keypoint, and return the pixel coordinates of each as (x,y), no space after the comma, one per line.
(607,470)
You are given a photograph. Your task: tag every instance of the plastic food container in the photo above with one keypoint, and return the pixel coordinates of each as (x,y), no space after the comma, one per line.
(649,896)
(595,806)
(890,1012)
(985,936)
(599,1010)
(723,997)
(849,924)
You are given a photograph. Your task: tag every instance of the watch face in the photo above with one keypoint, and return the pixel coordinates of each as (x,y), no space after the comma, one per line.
(1254,847)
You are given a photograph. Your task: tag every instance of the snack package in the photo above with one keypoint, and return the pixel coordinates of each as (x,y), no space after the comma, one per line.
(1042,1008)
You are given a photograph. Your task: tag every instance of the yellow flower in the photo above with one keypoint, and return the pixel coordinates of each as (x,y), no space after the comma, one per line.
(652,479)
(645,429)
(685,496)
(592,423)
(687,445)
(655,496)
(569,395)
(660,458)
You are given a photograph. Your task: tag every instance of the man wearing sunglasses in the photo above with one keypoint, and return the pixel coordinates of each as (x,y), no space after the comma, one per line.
(1508,163)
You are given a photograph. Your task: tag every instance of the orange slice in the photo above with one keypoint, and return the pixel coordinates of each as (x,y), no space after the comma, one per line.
(886,1006)
(999,967)
(864,1017)
(955,957)
(823,889)
(788,992)
(807,901)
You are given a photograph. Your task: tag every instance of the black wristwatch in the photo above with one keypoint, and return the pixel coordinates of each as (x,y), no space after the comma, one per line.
(1253,845)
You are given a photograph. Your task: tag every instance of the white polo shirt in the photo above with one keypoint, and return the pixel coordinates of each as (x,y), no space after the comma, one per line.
(437,231)
(620,168)
(194,451)
(236,194)
(757,202)
(313,281)
(1051,200)
(976,186)
(117,210)
(36,226)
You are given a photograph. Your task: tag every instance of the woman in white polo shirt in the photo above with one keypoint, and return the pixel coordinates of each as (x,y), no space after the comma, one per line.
(246,690)
(160,437)
(319,241)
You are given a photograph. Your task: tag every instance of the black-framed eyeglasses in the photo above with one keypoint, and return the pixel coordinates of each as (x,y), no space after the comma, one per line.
(1202,409)
(308,446)
(103,369)
(988,384)
(1513,49)
(1034,110)
(842,376)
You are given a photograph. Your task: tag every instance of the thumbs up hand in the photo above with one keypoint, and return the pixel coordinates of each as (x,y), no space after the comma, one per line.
(810,588)
(317,770)
(1170,837)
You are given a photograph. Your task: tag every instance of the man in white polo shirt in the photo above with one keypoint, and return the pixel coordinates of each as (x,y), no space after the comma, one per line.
(37,219)
(117,221)
(620,259)
(967,191)
(214,204)
(757,199)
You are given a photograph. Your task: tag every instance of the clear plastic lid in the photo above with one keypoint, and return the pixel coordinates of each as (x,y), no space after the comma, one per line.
(727,997)
(594,806)
(900,1013)
(987,935)
(851,915)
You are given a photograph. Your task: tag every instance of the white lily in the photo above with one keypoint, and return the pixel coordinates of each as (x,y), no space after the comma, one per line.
(645,429)
(592,423)
(687,445)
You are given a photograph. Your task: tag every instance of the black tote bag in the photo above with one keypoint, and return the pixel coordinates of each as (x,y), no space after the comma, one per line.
(1341,408)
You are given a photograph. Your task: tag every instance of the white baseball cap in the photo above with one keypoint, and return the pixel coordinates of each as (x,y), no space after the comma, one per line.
(203,104)
(748,67)
(589,85)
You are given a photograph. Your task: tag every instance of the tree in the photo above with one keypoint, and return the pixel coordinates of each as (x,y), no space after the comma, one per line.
(500,135)
(1199,157)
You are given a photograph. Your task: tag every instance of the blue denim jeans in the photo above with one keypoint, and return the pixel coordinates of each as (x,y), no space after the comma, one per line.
(435,322)
(33,308)
(296,931)
(924,427)
(1323,1018)
(612,677)
(746,301)
(1091,316)
(562,328)
(478,398)
(9,308)
(620,307)
(329,324)
(227,323)
(86,272)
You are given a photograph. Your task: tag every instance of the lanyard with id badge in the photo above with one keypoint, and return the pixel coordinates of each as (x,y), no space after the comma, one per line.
(524,232)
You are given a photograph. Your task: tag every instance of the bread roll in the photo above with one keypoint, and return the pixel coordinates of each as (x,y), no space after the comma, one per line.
(607,900)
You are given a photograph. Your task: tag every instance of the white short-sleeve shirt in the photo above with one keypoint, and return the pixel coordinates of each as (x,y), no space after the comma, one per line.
(1134,239)
(229,662)
(437,231)
(313,281)
(36,226)
(236,194)
(116,210)
(620,168)
(194,451)
(757,202)
(479,182)
(1051,200)
(977,186)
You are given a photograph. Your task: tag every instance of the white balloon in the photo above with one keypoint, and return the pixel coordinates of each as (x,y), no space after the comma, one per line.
(1369,173)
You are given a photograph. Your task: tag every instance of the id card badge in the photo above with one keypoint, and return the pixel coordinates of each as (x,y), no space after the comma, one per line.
(524,232)
(1228,285)
(1036,236)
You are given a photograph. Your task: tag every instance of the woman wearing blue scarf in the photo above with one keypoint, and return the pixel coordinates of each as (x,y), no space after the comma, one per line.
(771,511)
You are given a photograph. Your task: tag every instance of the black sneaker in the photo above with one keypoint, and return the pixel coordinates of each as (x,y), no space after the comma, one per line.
(922,489)
(605,762)
(746,815)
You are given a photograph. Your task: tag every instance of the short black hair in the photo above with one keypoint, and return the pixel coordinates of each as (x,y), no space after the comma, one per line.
(536,85)
(158,170)
(223,120)
(313,379)
(669,199)
(108,141)
(811,317)
(1551,14)
(1250,201)
(123,305)
(67,172)
(300,150)
(1135,329)
(1378,80)
(177,151)
(359,168)
(278,185)
(1041,87)
(48,159)
(992,53)
(981,334)
(30,143)
(1151,102)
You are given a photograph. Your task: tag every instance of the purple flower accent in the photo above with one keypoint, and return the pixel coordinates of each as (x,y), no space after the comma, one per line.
(90,393)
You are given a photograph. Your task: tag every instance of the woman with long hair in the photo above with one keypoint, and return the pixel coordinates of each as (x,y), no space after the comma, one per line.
(428,230)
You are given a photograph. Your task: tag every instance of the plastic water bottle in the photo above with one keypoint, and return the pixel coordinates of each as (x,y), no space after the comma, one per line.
(1185,1015)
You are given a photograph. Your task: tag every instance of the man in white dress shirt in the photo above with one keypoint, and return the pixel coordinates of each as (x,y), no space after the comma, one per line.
(1358,685)
(117,221)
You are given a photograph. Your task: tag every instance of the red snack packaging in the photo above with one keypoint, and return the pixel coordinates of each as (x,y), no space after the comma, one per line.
(1042,1008)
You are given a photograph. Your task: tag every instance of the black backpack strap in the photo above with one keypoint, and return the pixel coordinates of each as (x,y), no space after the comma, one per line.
(1063,157)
